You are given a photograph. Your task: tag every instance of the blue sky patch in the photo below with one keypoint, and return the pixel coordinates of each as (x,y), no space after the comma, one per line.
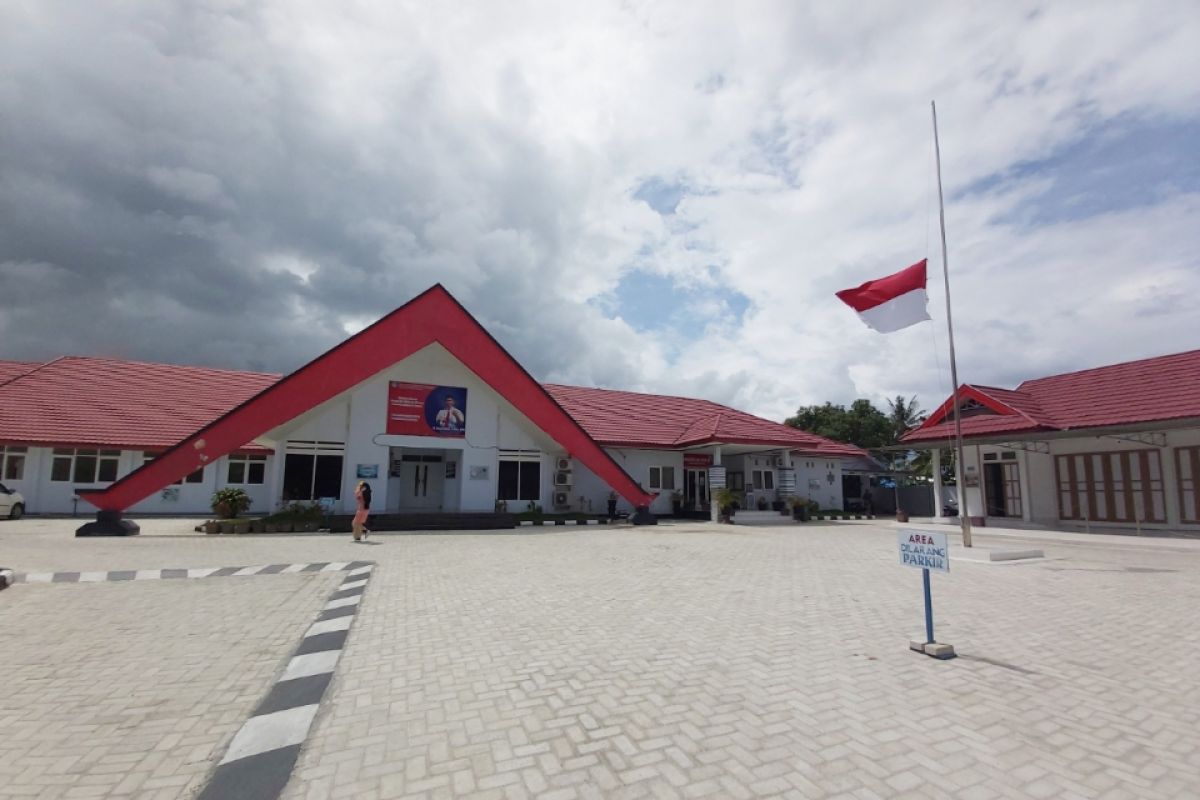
(653,302)
(1117,165)
(661,195)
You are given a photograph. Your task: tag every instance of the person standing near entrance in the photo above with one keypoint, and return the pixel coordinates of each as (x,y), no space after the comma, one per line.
(362,494)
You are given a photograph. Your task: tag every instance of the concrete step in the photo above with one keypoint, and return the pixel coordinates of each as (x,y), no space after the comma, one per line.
(744,517)
(340,523)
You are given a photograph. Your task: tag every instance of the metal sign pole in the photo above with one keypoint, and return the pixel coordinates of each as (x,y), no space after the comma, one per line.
(928,609)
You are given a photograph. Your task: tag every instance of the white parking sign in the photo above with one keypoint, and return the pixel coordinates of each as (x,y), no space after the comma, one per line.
(924,550)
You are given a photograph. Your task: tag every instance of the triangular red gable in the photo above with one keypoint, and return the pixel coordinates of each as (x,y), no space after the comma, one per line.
(433,316)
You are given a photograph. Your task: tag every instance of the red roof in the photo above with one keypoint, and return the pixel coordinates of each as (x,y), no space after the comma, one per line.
(631,419)
(14,369)
(130,404)
(78,400)
(1150,390)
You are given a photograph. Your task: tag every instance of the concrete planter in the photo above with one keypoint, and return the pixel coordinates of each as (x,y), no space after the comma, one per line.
(272,527)
(211,527)
(227,526)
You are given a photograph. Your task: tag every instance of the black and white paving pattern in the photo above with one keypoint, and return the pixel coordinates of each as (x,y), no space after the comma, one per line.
(259,760)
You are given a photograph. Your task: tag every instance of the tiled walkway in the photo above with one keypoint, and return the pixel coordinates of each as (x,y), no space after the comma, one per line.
(682,661)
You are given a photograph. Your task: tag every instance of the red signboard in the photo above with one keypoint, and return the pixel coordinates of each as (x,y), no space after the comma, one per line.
(697,460)
(422,409)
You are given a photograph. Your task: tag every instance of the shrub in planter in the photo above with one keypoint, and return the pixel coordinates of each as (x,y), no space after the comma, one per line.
(226,527)
(271,527)
(212,527)
(228,503)
(726,500)
(901,515)
(241,526)
(257,526)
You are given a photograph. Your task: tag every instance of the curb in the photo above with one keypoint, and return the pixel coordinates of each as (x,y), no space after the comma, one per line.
(258,763)
(176,574)
(560,522)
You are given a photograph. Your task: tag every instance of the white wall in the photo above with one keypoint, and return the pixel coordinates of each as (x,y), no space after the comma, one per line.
(44,496)
(1038,479)
(818,468)
(359,419)
(637,463)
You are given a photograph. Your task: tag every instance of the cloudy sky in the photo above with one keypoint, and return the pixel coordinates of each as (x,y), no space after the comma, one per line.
(653,196)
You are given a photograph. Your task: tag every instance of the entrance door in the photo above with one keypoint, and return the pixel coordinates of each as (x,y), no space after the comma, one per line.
(1002,489)
(421,485)
(695,491)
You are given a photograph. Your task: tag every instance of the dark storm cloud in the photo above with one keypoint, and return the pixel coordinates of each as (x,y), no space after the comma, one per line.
(172,188)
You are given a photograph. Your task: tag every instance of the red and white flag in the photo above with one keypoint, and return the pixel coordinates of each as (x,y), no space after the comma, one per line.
(891,303)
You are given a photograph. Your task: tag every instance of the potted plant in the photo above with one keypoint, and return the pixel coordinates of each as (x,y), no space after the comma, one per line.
(780,505)
(726,500)
(762,503)
(799,508)
(813,508)
(229,502)
(901,515)
(677,504)
(612,505)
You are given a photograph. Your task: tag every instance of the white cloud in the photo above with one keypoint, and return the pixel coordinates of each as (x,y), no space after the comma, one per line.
(323,163)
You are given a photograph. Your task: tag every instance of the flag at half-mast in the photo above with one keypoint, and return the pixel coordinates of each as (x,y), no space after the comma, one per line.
(891,303)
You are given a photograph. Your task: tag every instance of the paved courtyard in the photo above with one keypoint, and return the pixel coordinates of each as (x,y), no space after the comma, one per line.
(679,661)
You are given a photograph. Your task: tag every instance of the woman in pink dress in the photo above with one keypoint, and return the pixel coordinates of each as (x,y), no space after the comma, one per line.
(362,494)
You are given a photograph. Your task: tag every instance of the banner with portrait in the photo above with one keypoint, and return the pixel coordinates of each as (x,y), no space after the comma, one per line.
(423,409)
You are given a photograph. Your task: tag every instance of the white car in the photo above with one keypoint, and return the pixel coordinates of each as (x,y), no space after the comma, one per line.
(12,504)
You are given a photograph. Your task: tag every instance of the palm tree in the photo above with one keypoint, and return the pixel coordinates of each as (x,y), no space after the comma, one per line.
(904,415)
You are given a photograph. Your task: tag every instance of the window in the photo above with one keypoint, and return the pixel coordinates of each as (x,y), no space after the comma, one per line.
(1124,486)
(1187,468)
(12,462)
(246,470)
(312,470)
(519,480)
(662,478)
(194,477)
(763,479)
(84,466)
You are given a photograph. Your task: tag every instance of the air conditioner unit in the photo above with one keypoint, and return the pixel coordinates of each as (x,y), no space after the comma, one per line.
(563,465)
(562,478)
(562,500)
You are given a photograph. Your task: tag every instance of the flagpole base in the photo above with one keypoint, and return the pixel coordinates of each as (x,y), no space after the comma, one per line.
(938,650)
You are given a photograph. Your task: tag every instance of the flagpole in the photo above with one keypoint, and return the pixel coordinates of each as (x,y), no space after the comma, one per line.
(963,518)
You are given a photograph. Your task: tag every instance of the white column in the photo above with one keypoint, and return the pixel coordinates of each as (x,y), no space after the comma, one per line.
(937,482)
(1023,459)
(1170,482)
(714,507)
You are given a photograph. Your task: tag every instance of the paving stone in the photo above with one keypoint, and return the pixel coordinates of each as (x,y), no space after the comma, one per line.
(684,662)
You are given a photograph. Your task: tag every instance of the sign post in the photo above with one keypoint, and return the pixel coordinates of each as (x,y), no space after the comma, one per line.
(926,550)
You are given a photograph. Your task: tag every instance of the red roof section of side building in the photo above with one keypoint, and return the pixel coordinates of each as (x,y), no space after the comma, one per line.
(84,401)
(1149,390)
(96,402)
(631,419)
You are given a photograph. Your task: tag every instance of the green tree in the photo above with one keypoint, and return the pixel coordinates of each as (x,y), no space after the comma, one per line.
(861,424)
(905,414)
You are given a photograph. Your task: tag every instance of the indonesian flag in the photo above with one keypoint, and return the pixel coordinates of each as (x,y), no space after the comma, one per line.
(891,303)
